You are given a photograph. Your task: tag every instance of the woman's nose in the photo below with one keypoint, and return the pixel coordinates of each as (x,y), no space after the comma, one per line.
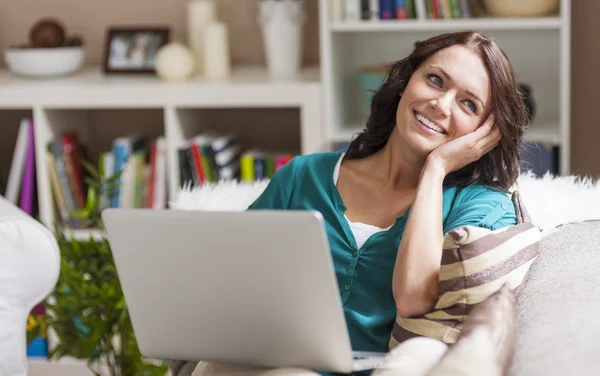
(442,104)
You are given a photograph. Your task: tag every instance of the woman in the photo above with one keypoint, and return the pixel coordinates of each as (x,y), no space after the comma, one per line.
(440,150)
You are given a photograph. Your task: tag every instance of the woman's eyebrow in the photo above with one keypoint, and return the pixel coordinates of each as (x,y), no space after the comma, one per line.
(469,92)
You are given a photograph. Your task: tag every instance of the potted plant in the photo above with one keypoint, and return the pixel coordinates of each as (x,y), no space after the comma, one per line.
(87,310)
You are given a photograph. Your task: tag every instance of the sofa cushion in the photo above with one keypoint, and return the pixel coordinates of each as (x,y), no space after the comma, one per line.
(487,341)
(476,262)
(559,306)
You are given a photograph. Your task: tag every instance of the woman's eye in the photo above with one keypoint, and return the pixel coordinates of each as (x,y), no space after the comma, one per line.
(435,79)
(470,105)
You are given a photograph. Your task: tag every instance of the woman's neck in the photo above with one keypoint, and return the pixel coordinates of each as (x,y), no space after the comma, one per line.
(397,166)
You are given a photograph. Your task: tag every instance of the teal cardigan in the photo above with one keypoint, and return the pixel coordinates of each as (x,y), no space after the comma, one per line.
(364,274)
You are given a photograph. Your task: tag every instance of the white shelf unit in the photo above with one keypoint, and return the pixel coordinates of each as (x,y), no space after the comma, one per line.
(89,102)
(539,49)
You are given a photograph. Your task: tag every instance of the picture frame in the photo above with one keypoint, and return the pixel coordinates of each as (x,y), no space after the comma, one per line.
(133,49)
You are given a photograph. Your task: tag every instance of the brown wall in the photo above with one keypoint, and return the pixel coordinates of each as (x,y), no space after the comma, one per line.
(89,18)
(585,60)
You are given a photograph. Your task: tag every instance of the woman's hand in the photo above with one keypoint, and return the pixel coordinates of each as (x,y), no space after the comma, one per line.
(466,149)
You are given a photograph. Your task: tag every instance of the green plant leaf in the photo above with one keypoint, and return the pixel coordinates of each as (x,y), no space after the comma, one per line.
(87,309)
(82,214)
(92,200)
(93,183)
(115,177)
(91,169)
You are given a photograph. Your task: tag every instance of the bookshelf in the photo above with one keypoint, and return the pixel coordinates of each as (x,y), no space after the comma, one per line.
(261,112)
(101,108)
(539,49)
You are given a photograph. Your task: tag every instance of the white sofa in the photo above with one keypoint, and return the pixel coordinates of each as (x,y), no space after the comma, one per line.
(29,269)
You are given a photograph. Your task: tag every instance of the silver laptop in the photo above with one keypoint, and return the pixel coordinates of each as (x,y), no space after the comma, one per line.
(252,288)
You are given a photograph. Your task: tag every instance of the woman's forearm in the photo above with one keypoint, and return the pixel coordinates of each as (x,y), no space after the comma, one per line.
(416,272)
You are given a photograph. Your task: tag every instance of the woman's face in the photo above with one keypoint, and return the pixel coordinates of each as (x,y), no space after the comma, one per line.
(448,96)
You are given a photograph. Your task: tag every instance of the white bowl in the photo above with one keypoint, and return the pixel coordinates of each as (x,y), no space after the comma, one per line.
(44,62)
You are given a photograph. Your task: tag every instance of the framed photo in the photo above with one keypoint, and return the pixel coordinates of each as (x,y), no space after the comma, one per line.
(133,50)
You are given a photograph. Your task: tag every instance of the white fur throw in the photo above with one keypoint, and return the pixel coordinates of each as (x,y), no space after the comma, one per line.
(551,201)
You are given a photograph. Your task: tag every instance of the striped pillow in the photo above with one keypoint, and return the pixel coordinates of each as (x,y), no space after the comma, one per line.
(476,262)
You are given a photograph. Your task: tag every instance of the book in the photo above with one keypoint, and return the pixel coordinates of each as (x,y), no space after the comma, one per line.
(27,191)
(17,164)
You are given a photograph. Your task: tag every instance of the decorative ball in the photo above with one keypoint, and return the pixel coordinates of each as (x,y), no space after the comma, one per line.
(47,33)
(74,41)
(174,62)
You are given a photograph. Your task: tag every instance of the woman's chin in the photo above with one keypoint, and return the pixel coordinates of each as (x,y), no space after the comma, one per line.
(424,145)
(418,142)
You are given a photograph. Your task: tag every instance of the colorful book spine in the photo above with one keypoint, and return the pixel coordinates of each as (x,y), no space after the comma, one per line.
(400,9)
(260,172)
(56,148)
(72,158)
(159,184)
(247,167)
(121,150)
(26,202)
(17,164)
(352,10)
(281,160)
(387,9)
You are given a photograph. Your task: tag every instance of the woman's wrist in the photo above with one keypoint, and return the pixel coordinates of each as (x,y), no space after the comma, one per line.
(436,167)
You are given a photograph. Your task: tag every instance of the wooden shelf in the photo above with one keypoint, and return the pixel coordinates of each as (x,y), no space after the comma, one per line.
(441,25)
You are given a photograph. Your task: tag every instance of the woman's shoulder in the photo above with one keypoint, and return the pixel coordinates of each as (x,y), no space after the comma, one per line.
(318,159)
(315,164)
(321,162)
(479,205)
(482,191)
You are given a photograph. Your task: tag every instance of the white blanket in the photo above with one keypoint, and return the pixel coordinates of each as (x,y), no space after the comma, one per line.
(550,201)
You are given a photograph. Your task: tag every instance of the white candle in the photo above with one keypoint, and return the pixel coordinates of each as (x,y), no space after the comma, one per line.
(199,14)
(217,60)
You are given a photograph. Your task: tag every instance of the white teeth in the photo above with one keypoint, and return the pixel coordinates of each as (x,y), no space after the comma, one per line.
(429,124)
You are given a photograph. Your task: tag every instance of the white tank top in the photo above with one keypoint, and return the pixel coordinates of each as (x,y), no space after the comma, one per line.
(361,231)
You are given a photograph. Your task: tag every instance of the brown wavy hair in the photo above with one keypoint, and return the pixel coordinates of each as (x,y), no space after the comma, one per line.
(500,167)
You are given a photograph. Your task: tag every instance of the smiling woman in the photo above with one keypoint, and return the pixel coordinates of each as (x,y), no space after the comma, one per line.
(439,151)
(448,86)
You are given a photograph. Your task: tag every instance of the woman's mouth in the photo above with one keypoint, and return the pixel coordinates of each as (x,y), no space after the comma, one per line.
(430,125)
